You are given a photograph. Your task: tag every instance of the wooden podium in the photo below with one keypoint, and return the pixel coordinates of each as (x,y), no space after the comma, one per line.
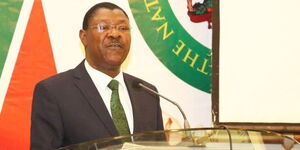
(193,139)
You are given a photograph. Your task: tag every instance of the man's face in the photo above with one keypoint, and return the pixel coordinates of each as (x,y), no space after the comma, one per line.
(106,41)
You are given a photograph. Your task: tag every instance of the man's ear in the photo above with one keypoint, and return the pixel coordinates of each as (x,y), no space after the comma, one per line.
(83,37)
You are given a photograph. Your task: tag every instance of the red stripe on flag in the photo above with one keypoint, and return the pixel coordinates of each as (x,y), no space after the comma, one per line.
(34,62)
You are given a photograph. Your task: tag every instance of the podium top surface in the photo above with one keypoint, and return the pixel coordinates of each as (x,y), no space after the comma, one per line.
(193,139)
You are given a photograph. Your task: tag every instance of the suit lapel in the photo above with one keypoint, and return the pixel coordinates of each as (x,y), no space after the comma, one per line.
(136,102)
(88,89)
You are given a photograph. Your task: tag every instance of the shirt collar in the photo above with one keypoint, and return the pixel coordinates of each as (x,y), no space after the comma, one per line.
(102,79)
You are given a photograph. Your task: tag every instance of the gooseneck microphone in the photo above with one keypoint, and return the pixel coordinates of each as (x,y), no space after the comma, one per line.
(229,135)
(186,124)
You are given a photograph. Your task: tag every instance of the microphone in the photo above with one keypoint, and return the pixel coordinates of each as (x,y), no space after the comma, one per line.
(229,135)
(186,124)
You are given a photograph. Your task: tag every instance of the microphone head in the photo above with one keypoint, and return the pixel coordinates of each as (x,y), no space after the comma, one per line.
(136,84)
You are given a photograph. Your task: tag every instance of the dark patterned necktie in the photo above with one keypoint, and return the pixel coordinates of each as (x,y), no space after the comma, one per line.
(117,111)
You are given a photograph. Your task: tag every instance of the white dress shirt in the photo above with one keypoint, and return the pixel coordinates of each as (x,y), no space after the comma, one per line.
(101,81)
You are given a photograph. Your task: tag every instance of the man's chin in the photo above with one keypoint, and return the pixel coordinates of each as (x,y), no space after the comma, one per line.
(115,63)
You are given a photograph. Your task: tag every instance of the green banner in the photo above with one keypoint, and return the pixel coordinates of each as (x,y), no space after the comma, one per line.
(187,58)
(9,14)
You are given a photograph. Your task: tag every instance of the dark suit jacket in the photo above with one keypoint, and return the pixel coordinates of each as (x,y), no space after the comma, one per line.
(67,109)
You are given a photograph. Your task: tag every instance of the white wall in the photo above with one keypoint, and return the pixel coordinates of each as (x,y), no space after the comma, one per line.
(259,61)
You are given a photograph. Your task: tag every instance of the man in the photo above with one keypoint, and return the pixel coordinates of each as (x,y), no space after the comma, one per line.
(75,106)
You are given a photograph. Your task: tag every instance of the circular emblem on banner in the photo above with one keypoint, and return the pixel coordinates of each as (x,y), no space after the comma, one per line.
(179,34)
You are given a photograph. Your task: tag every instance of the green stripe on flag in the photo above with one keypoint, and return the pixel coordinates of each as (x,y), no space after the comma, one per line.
(9,13)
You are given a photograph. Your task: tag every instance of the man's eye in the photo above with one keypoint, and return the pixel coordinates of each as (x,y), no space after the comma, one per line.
(123,28)
(103,28)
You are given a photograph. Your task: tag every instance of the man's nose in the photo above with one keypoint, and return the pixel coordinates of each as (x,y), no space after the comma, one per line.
(114,32)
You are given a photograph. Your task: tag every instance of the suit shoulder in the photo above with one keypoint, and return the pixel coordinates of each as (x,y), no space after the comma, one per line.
(136,80)
(57,79)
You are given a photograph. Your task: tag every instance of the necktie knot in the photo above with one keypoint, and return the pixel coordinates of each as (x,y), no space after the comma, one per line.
(113,85)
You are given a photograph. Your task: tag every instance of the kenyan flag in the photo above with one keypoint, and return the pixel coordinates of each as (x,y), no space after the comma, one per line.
(25,58)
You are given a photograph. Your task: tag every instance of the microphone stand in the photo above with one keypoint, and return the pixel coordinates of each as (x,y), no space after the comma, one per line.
(186,123)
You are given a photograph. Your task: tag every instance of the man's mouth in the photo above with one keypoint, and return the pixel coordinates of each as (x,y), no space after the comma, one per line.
(115,44)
